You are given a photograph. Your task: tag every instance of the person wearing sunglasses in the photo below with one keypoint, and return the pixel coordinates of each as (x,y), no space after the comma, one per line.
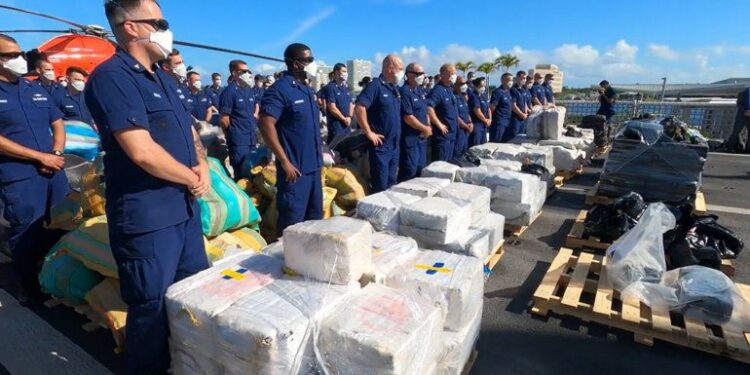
(415,126)
(31,163)
(443,112)
(378,111)
(238,109)
(339,106)
(290,125)
(154,168)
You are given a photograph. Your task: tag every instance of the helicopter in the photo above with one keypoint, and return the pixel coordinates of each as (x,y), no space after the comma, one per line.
(87,46)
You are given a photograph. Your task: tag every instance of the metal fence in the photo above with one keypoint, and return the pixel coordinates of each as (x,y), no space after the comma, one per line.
(714,120)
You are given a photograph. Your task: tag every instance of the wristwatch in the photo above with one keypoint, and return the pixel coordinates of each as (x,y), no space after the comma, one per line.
(57,152)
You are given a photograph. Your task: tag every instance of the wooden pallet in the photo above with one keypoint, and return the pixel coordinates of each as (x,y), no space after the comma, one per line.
(577,285)
(593,197)
(567,175)
(517,231)
(494,258)
(601,152)
(578,239)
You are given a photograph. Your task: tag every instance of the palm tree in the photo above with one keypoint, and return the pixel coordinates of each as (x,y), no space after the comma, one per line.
(469,65)
(507,61)
(486,68)
(462,66)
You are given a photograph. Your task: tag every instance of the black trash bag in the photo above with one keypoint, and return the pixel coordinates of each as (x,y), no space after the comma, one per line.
(536,170)
(674,128)
(692,250)
(573,132)
(468,159)
(607,223)
(351,146)
(725,241)
(631,204)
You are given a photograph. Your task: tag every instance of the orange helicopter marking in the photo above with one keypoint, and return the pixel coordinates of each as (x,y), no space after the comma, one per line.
(83,51)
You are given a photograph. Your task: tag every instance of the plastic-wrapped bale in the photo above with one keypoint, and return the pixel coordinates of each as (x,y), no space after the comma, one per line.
(441,169)
(225,206)
(65,277)
(388,252)
(185,361)
(522,214)
(494,226)
(454,282)
(506,165)
(89,244)
(458,346)
(477,197)
(272,331)
(81,139)
(553,122)
(534,123)
(434,220)
(275,250)
(566,159)
(539,155)
(384,331)
(484,151)
(506,185)
(506,151)
(382,209)
(523,140)
(337,250)
(473,242)
(423,187)
(193,303)
(571,143)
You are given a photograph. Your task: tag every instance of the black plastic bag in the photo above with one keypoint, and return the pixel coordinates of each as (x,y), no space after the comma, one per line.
(725,241)
(536,170)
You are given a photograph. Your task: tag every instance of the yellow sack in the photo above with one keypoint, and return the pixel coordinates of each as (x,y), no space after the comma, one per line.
(67,214)
(265,181)
(350,190)
(328,196)
(213,252)
(105,300)
(92,196)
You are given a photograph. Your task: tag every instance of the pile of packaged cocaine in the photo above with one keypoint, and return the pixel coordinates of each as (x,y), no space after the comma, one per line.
(301,307)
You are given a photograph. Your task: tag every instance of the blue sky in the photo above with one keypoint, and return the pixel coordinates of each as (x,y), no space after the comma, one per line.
(622,41)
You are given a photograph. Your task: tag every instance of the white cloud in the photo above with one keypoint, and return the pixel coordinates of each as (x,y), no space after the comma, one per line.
(702,60)
(450,54)
(308,23)
(573,54)
(622,52)
(663,51)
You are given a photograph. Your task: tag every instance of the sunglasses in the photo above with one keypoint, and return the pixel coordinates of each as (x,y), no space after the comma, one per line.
(306,60)
(159,24)
(12,55)
(416,73)
(243,71)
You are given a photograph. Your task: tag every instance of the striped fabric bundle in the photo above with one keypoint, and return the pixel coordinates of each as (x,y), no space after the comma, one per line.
(225,206)
(81,139)
(89,244)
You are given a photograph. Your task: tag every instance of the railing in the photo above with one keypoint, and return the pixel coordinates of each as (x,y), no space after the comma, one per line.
(714,120)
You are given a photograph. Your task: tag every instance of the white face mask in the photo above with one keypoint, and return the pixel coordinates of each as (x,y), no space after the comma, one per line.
(17,66)
(399,76)
(78,85)
(271,81)
(197,85)
(64,83)
(482,90)
(311,70)
(248,79)
(180,70)
(344,76)
(163,39)
(419,79)
(453,79)
(464,89)
(217,83)
(509,84)
(49,75)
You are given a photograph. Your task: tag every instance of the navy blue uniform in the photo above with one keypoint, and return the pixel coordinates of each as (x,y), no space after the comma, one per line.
(259,91)
(154,225)
(539,92)
(606,108)
(54,89)
(477,100)
(413,153)
(215,94)
(296,111)
(442,100)
(199,103)
(528,103)
(740,122)
(548,93)
(239,104)
(339,95)
(502,101)
(26,112)
(73,106)
(517,123)
(462,135)
(383,103)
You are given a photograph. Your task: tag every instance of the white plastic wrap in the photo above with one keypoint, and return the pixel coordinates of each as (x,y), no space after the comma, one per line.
(477,197)
(424,187)
(382,209)
(441,169)
(553,122)
(388,252)
(506,185)
(638,256)
(186,361)
(524,140)
(473,242)
(505,165)
(539,155)
(336,250)
(571,143)
(522,214)
(454,282)
(494,226)
(458,346)
(272,330)
(193,302)
(534,123)
(437,220)
(381,330)
(275,250)
(484,151)
(567,159)
(505,151)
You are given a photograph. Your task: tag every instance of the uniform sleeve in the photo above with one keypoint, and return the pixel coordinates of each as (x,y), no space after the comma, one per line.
(516,97)
(368,95)
(434,98)
(226,102)
(406,104)
(119,101)
(328,94)
(55,112)
(474,101)
(273,103)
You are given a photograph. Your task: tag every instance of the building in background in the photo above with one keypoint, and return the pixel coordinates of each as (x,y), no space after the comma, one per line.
(358,69)
(321,78)
(545,69)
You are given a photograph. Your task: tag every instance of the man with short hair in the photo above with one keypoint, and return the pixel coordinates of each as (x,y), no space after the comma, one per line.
(259,89)
(415,125)
(201,106)
(154,168)
(215,89)
(378,111)
(290,124)
(520,111)
(32,180)
(501,107)
(465,126)
(174,65)
(538,91)
(237,106)
(46,72)
(443,113)
(479,109)
(339,106)
(607,99)
(71,101)
(269,81)
(549,94)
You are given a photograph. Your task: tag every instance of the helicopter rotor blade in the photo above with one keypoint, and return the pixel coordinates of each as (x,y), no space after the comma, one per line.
(71,23)
(36,31)
(225,50)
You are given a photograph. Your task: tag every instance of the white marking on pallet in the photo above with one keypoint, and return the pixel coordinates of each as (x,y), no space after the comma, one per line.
(729,210)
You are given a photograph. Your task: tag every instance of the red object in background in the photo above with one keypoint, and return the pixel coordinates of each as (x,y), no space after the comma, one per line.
(83,51)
